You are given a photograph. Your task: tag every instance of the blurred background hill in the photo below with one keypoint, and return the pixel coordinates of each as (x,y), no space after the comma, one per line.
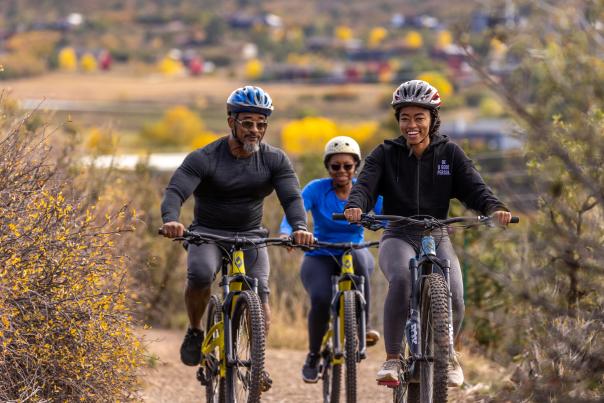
(124,89)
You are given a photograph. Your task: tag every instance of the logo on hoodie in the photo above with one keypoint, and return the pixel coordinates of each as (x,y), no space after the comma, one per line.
(443,168)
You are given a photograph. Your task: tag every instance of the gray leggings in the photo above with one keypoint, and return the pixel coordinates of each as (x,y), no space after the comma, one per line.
(394,257)
(204,261)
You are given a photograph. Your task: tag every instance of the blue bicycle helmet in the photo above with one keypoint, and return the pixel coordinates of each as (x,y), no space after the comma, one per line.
(250,99)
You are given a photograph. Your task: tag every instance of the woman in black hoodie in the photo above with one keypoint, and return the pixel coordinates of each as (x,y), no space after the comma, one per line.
(418,173)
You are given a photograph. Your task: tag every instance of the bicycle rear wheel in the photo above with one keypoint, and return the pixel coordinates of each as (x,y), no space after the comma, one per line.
(435,339)
(350,345)
(248,334)
(215,384)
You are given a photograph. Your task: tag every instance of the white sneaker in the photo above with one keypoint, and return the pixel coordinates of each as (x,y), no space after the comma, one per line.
(454,372)
(389,371)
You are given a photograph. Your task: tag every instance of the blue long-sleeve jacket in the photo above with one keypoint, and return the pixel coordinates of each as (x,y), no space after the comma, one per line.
(321,200)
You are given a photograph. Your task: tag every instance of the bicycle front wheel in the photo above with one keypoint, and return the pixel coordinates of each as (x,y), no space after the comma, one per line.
(435,339)
(249,339)
(330,376)
(215,384)
(350,345)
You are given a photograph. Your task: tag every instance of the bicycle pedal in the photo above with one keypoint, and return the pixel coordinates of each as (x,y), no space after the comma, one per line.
(390,384)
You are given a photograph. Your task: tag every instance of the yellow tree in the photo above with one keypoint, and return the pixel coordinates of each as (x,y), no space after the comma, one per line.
(170,67)
(376,36)
(307,135)
(88,63)
(444,86)
(178,127)
(68,60)
(254,69)
(343,33)
(443,39)
(413,40)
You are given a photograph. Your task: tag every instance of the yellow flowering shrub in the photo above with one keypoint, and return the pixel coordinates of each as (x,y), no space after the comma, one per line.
(310,134)
(66,332)
(179,126)
(307,135)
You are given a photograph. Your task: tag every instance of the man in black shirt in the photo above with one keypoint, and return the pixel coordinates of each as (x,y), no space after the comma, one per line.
(229,179)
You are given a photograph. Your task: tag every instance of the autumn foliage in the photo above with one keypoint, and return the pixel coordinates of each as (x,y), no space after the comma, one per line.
(65,328)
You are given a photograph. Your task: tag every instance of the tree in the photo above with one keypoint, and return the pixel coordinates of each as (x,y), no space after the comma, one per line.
(68,60)
(555,91)
(413,40)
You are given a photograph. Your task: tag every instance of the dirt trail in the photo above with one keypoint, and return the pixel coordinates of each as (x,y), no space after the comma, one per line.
(170,381)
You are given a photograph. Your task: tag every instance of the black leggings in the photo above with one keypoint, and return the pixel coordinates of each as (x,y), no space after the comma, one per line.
(316,275)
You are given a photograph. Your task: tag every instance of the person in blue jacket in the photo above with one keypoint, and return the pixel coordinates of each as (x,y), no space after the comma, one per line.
(322,197)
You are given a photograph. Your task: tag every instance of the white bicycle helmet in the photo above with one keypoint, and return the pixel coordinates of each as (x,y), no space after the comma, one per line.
(342,145)
(416,93)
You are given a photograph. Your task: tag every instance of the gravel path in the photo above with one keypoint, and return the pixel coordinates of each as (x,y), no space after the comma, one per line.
(170,381)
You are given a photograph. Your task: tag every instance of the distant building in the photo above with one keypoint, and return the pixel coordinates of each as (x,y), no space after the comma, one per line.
(493,134)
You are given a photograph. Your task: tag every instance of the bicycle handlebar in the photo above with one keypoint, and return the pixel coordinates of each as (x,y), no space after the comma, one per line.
(345,245)
(430,222)
(193,236)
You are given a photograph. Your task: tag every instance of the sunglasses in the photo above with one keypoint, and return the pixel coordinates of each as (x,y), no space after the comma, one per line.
(250,124)
(336,167)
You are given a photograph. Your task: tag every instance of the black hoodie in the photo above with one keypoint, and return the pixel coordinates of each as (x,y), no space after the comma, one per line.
(421,186)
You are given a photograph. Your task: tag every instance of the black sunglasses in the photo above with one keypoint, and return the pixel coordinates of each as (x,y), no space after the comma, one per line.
(249,125)
(336,167)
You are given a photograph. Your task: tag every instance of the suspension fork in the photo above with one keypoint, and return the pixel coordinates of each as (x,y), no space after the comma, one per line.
(413,326)
(446,270)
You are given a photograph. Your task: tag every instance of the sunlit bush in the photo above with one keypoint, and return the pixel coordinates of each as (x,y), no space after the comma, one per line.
(376,36)
(179,127)
(343,33)
(308,135)
(101,141)
(413,40)
(68,59)
(20,64)
(444,86)
(88,63)
(66,333)
(253,69)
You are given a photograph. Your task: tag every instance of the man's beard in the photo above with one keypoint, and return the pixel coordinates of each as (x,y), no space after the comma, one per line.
(251,147)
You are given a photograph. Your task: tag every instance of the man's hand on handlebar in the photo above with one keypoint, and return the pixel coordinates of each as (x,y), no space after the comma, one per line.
(353,215)
(172,229)
(302,237)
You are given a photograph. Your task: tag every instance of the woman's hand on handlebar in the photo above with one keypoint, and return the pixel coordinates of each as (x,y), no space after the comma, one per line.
(501,218)
(353,214)
(172,229)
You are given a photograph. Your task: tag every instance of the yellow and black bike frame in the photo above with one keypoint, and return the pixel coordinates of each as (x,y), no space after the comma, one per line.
(347,281)
(232,283)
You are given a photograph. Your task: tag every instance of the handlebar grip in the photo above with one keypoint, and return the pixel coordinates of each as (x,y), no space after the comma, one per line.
(160,231)
(338,216)
(515,220)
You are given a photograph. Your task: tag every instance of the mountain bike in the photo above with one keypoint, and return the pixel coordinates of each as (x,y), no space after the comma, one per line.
(344,344)
(428,341)
(232,362)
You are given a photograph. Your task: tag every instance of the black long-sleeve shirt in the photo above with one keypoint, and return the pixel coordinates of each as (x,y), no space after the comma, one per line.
(229,192)
(421,186)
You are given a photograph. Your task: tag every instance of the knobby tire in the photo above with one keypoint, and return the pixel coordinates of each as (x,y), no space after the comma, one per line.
(435,339)
(350,345)
(249,342)
(215,389)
